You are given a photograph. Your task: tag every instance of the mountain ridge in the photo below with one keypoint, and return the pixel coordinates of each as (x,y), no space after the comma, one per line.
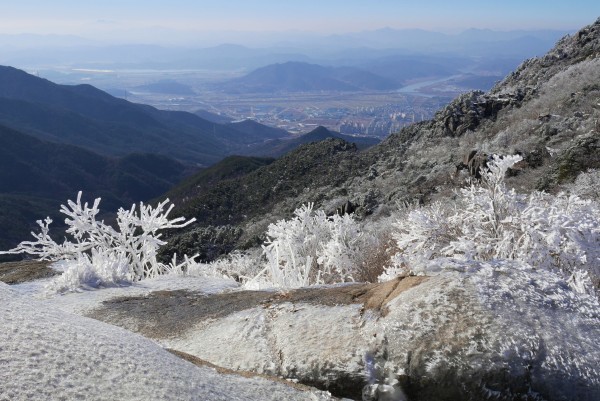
(85,116)
(33,171)
(294,76)
(546,111)
(278,147)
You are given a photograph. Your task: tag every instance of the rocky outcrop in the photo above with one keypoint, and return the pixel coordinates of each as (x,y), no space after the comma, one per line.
(474,162)
(582,154)
(468,111)
(472,332)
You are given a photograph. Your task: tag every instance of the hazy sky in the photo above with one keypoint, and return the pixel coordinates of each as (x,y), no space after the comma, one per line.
(150,20)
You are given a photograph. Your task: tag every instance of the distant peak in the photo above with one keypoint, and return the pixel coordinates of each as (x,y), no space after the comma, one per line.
(320,130)
(229,46)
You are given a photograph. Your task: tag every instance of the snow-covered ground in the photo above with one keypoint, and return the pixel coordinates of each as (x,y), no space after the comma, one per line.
(494,328)
(81,301)
(490,328)
(49,354)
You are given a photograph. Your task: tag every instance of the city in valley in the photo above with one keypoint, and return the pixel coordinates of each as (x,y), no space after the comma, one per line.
(360,113)
(356,113)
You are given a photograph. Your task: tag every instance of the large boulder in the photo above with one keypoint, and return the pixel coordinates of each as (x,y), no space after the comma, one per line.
(493,331)
(472,331)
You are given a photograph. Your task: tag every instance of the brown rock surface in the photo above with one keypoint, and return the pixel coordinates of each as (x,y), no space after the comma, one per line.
(26,270)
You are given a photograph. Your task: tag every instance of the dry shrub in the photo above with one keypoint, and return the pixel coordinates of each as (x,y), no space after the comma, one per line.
(376,259)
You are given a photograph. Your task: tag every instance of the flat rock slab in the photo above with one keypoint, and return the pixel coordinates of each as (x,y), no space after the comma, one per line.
(246,329)
(166,314)
(237,373)
(474,331)
(24,271)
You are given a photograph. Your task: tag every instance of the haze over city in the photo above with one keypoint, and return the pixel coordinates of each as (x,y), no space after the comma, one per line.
(187,22)
(401,60)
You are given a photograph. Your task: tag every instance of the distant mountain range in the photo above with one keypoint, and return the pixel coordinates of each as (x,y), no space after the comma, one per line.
(56,140)
(84,116)
(304,77)
(381,74)
(254,50)
(396,55)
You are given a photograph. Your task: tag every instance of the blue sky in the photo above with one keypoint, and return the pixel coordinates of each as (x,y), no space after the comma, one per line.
(98,19)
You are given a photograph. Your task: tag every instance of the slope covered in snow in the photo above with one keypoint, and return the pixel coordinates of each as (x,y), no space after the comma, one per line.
(49,354)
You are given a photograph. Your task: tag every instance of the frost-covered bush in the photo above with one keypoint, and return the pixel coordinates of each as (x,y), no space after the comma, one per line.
(587,185)
(237,265)
(490,222)
(311,248)
(98,254)
(93,270)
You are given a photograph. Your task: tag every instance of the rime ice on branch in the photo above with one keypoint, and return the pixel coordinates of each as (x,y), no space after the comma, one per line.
(558,233)
(130,250)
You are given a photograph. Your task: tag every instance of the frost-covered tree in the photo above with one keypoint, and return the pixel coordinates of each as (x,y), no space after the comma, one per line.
(491,222)
(98,254)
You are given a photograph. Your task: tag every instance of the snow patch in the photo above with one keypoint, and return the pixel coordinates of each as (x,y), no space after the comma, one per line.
(50,354)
